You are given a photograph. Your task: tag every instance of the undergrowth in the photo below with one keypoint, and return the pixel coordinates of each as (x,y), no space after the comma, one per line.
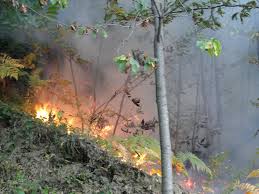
(36,157)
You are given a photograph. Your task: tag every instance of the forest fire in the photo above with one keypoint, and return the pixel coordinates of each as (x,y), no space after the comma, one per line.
(48,113)
(44,113)
(106,131)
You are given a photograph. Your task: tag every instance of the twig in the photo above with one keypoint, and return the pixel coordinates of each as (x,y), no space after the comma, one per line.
(96,75)
(120,90)
(130,34)
(121,105)
(208,8)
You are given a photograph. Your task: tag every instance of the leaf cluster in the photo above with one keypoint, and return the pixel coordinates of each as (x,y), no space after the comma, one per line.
(126,63)
(195,162)
(211,46)
(10,68)
(115,12)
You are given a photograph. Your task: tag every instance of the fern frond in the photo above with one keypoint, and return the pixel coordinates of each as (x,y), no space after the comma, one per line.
(196,163)
(179,166)
(254,174)
(247,187)
(141,144)
(9,67)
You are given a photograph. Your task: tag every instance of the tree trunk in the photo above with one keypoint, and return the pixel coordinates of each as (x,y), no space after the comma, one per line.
(162,106)
(204,92)
(218,126)
(218,95)
(196,112)
(96,75)
(178,111)
(80,115)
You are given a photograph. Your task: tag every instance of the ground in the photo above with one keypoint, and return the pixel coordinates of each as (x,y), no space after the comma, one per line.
(42,158)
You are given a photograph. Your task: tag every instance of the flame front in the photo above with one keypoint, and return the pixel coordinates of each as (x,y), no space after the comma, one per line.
(50,113)
(44,113)
(47,112)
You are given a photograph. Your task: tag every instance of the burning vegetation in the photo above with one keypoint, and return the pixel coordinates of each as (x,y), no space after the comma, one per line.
(68,139)
(128,137)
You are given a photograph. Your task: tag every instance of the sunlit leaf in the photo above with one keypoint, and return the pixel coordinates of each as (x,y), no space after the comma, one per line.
(104,34)
(216,47)
(196,163)
(254,174)
(211,46)
(134,65)
(121,62)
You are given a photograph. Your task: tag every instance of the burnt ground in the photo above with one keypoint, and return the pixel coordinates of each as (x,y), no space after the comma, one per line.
(41,158)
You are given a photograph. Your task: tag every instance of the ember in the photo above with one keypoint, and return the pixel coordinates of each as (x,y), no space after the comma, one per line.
(189,184)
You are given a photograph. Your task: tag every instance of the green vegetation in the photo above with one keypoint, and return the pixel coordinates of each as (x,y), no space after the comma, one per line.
(37,157)
(50,156)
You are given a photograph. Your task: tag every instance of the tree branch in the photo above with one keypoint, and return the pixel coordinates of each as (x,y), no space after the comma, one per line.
(209,8)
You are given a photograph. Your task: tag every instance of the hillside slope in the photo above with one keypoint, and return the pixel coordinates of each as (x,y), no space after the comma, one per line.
(40,158)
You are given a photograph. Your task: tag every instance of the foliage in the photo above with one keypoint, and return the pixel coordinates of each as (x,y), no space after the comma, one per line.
(10,68)
(247,187)
(19,78)
(254,174)
(236,183)
(196,163)
(60,3)
(144,152)
(216,162)
(118,13)
(74,163)
(16,14)
(211,46)
(205,14)
(125,63)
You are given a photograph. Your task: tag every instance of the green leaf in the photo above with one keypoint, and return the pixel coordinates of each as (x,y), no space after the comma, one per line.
(134,65)
(217,47)
(19,191)
(52,11)
(52,2)
(211,46)
(149,63)
(60,3)
(200,44)
(108,16)
(196,163)
(104,34)
(60,115)
(121,62)
(81,31)
(94,34)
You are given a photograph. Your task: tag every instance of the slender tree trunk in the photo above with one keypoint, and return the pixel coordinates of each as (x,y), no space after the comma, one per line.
(218,126)
(196,112)
(205,86)
(204,89)
(76,94)
(218,95)
(209,97)
(96,75)
(162,106)
(178,111)
(121,105)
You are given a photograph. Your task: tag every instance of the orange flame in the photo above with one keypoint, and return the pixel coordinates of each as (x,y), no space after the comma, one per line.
(44,112)
(189,184)
(47,112)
